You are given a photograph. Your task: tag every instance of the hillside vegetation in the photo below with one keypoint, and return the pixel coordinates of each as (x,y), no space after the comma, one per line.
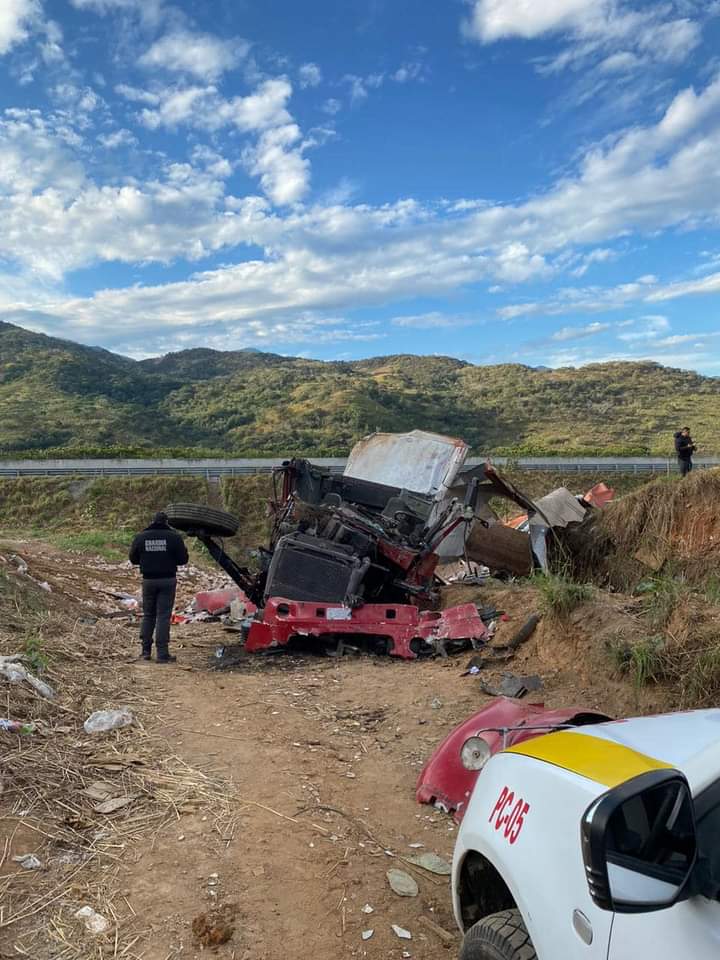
(60,398)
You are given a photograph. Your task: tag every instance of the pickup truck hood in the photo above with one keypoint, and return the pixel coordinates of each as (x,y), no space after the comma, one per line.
(689,742)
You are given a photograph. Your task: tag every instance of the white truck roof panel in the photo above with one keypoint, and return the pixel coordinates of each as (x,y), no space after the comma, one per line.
(418,461)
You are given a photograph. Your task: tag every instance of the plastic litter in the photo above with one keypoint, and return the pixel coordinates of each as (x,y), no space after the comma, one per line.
(366,934)
(28,861)
(14,671)
(103,720)
(368,909)
(95,923)
(16,726)
(400,932)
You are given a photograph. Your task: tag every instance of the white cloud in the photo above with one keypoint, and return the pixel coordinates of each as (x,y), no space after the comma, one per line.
(435,320)
(201,54)
(580,333)
(204,107)
(599,255)
(118,138)
(498,19)
(332,106)
(623,62)
(278,160)
(310,75)
(277,157)
(648,328)
(51,49)
(672,291)
(150,12)
(360,86)
(17,18)
(331,257)
(414,70)
(618,35)
(136,95)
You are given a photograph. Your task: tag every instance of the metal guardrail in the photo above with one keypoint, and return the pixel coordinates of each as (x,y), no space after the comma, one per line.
(245,467)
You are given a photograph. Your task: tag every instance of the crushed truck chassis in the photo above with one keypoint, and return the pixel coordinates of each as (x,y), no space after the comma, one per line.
(399,630)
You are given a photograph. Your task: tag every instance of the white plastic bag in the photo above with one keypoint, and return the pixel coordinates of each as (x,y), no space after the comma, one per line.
(94,922)
(103,720)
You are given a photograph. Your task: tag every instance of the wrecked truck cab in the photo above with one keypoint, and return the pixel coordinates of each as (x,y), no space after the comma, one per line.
(351,560)
(371,534)
(596,843)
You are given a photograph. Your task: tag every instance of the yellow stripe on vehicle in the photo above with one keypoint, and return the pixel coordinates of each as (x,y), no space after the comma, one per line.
(603,761)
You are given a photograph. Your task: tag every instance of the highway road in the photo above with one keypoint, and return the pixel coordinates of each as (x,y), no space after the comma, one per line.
(241,467)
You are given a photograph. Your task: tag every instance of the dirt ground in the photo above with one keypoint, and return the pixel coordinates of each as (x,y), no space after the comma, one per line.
(318,760)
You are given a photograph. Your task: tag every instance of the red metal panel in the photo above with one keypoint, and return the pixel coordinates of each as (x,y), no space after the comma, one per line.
(401,623)
(445,780)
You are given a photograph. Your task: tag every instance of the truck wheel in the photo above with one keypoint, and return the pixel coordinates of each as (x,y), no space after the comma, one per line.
(501,936)
(197,516)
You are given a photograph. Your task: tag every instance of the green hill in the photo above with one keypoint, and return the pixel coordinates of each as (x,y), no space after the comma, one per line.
(61,398)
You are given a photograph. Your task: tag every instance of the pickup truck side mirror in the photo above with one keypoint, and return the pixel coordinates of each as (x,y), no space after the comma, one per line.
(639,843)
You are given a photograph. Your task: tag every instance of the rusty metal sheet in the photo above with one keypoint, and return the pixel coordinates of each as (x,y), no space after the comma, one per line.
(417,461)
(500,548)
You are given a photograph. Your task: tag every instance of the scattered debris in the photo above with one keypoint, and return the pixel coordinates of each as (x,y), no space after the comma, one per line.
(113,804)
(368,909)
(462,571)
(95,923)
(230,600)
(400,932)
(366,934)
(445,781)
(447,938)
(432,863)
(512,686)
(28,861)
(14,671)
(402,883)
(436,703)
(214,929)
(504,652)
(104,720)
(16,726)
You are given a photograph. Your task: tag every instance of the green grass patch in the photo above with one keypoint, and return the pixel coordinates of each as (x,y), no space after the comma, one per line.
(644,662)
(559,595)
(109,544)
(701,681)
(661,596)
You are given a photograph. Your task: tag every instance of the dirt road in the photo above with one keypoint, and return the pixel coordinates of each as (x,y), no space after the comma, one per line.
(336,746)
(314,763)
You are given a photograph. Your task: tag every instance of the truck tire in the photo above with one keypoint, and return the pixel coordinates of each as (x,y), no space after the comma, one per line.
(197,516)
(501,936)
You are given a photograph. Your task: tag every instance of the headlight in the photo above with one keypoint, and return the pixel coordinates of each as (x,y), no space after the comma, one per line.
(475,753)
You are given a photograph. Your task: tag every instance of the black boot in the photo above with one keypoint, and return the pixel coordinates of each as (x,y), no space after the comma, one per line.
(164,656)
(146,652)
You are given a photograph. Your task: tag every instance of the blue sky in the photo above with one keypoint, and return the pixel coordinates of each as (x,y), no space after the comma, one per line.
(496,180)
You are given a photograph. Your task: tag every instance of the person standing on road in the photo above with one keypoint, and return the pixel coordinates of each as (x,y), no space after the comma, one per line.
(158,551)
(684,447)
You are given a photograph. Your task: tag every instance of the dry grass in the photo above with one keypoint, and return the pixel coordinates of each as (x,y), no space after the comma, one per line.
(669,525)
(52,782)
(670,520)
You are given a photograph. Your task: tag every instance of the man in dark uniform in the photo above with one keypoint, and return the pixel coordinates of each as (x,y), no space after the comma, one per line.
(684,447)
(159,551)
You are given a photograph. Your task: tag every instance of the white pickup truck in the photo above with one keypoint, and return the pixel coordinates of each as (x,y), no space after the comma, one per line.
(595,843)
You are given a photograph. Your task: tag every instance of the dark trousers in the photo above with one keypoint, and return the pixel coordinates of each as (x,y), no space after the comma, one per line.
(158,599)
(685,467)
